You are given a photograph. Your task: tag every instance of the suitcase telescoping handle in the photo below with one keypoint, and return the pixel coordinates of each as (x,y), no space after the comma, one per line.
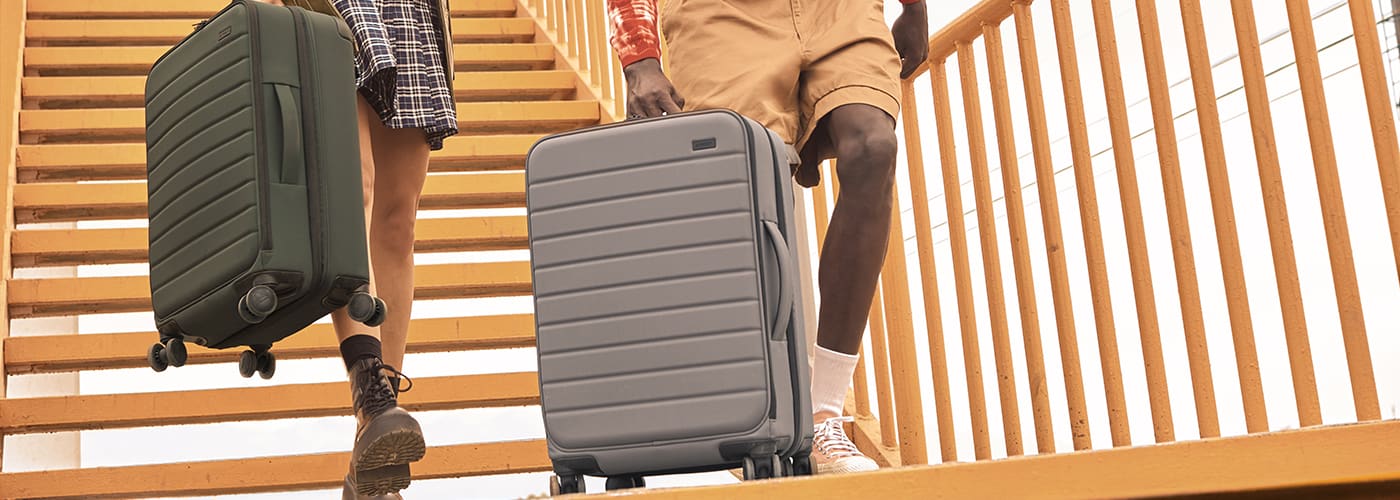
(785,277)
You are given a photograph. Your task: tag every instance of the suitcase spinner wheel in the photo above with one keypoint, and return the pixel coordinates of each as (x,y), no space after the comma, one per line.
(256,305)
(166,353)
(257,360)
(759,468)
(367,309)
(564,485)
(626,482)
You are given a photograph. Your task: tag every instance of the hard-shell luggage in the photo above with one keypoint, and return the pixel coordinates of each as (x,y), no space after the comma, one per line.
(668,331)
(256,210)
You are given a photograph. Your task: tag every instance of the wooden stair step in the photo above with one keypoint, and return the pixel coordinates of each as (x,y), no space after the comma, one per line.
(133,9)
(88,247)
(127,161)
(66,202)
(73,32)
(41,92)
(138,60)
(265,474)
(48,297)
(248,404)
(109,351)
(116,124)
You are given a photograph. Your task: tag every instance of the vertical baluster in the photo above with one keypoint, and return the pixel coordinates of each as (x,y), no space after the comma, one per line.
(1132,223)
(883,383)
(904,358)
(1020,252)
(923,234)
(1373,78)
(1363,381)
(1188,291)
(1217,176)
(991,258)
(619,89)
(602,51)
(1276,209)
(577,32)
(957,237)
(561,24)
(1089,219)
(1050,218)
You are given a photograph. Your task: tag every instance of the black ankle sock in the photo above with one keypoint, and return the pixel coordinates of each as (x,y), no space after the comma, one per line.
(359,347)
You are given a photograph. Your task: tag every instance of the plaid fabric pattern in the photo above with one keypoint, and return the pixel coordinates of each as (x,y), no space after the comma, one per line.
(634,34)
(399,66)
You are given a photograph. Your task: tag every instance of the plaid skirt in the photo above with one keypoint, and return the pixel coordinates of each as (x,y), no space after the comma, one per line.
(399,64)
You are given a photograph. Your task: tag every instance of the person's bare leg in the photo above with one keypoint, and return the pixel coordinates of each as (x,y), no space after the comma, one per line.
(401,164)
(340,319)
(849,271)
(387,438)
(859,231)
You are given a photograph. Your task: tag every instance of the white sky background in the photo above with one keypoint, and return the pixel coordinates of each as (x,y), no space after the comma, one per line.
(1365,210)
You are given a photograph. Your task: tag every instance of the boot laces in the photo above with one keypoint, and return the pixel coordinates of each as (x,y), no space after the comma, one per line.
(379,391)
(831,439)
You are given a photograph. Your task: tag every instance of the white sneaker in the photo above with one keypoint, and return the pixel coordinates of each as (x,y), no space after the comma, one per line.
(834,453)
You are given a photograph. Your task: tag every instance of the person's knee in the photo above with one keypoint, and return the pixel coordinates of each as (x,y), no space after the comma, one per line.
(394,218)
(865,158)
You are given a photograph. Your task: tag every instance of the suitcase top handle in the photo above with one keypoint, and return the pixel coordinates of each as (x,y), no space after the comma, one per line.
(785,280)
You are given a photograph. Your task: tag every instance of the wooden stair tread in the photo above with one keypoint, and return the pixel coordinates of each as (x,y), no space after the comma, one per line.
(60,202)
(126,161)
(249,404)
(171,31)
(74,247)
(130,123)
(129,91)
(108,351)
(94,9)
(138,60)
(48,297)
(265,474)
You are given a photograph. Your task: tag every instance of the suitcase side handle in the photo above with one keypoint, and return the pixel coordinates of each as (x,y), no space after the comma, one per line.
(292,153)
(785,277)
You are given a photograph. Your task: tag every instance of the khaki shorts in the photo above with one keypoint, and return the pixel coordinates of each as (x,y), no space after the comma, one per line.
(783,63)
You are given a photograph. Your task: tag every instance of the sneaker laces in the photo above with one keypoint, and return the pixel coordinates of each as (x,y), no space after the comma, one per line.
(831,439)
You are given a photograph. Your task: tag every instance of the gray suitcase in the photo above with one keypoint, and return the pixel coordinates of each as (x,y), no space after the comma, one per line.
(669,335)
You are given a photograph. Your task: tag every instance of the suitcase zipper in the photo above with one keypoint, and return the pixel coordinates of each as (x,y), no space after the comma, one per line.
(308,123)
(264,184)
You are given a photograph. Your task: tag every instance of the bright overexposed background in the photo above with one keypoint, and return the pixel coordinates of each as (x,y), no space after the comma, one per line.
(1356,160)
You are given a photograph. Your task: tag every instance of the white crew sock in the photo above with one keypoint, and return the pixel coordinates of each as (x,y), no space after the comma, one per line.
(831,376)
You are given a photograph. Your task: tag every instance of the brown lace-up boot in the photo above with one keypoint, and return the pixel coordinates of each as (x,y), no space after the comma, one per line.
(387,438)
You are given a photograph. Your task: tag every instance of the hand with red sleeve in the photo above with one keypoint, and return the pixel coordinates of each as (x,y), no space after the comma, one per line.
(649,92)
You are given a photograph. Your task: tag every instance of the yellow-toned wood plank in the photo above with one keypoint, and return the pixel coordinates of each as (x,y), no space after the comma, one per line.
(1318,457)
(106,125)
(171,31)
(149,409)
(73,247)
(96,9)
(109,351)
(264,474)
(60,202)
(129,91)
(138,60)
(127,161)
(48,297)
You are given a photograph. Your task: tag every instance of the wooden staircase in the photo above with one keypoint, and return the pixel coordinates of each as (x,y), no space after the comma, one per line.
(80,122)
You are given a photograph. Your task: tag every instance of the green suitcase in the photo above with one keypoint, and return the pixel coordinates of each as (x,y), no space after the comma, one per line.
(256,215)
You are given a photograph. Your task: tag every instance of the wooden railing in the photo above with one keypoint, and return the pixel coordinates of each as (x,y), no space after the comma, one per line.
(580,29)
(1081,278)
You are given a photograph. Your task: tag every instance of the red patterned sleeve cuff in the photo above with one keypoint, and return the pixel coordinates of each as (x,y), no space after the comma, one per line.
(634,34)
